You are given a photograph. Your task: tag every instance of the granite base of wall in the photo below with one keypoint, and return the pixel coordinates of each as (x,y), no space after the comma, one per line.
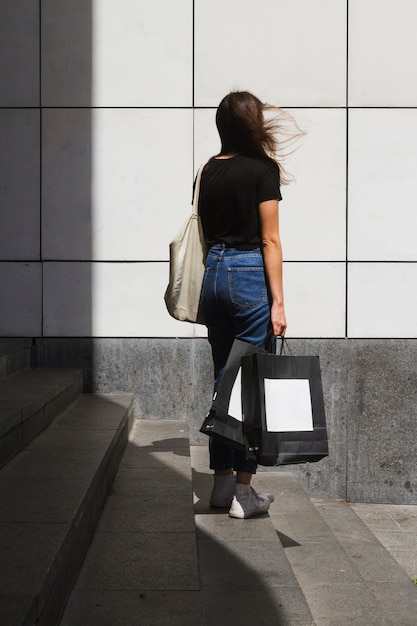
(370,389)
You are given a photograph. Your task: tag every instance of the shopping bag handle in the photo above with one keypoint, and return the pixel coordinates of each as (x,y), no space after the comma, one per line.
(276,344)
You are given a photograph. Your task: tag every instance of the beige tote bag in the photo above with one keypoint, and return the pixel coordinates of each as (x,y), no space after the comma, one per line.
(187,254)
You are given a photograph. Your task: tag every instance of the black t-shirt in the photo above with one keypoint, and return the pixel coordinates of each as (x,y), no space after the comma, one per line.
(230,193)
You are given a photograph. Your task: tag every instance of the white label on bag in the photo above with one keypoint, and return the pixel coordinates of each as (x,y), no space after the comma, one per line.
(288,405)
(235,403)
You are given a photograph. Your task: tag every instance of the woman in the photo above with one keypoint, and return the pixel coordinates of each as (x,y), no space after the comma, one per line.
(242,295)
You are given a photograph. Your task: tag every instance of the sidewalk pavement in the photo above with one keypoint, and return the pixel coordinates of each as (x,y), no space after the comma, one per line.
(395,526)
(157,560)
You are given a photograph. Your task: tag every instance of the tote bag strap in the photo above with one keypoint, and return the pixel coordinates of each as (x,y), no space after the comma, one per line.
(197,189)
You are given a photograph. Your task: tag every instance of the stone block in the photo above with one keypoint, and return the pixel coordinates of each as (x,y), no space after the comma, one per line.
(382,450)
(370,389)
(171,378)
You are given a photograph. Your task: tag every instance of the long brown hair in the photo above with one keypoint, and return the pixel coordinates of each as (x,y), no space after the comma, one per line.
(244,129)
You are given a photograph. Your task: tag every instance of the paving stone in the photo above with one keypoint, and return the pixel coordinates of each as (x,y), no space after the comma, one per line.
(131,504)
(42,382)
(341,604)
(131,608)
(174,434)
(407,560)
(388,517)
(243,562)
(151,561)
(152,484)
(398,540)
(219,526)
(15,609)
(325,562)
(80,438)
(100,413)
(397,602)
(370,558)
(288,493)
(27,551)
(177,459)
(305,527)
(261,605)
(37,500)
(61,463)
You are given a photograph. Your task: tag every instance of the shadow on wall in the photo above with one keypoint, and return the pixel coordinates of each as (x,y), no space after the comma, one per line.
(67,167)
(46,168)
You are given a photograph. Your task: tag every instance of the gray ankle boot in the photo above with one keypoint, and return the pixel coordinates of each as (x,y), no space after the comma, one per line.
(247,503)
(223,491)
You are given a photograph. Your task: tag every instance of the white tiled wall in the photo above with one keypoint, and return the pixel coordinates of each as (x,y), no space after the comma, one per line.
(313,209)
(315,299)
(291,53)
(382,53)
(108,300)
(19,184)
(382,184)
(382,300)
(117,54)
(21,302)
(127,170)
(100,138)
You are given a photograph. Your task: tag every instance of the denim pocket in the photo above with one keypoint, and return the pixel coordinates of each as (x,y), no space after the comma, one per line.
(247,286)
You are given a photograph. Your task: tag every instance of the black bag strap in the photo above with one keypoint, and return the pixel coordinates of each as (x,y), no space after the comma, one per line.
(277,345)
(284,349)
(196,194)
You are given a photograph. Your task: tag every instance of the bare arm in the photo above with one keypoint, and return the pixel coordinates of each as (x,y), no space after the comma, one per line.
(272,251)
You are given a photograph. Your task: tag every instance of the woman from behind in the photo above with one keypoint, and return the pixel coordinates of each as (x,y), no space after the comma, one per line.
(242,295)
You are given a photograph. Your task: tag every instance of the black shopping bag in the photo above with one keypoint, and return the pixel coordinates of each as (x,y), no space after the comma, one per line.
(225,418)
(283,408)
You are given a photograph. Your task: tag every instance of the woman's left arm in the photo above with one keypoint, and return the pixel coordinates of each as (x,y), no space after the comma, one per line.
(272,252)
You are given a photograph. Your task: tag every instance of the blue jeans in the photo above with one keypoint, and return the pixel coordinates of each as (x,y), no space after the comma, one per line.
(236,305)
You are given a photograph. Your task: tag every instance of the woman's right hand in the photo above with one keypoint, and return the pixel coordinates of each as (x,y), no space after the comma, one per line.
(278,320)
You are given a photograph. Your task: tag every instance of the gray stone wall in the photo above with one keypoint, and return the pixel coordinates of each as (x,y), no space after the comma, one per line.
(370,389)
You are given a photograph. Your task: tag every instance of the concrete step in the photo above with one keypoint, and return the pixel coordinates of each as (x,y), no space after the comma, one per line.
(346,575)
(141,566)
(29,401)
(156,560)
(15,355)
(51,495)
